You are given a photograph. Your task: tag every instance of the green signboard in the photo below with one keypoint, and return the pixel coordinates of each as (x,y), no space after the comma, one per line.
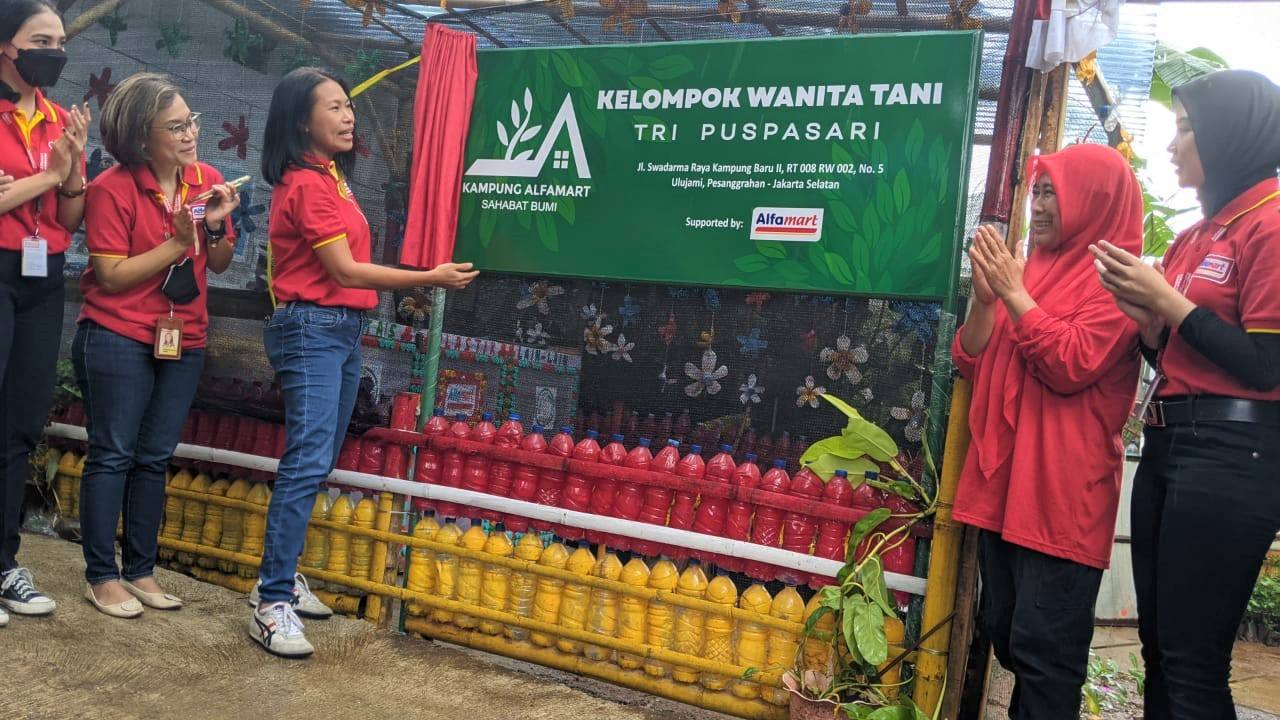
(812,164)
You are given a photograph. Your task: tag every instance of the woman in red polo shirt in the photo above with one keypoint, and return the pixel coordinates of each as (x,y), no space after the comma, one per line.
(1206,498)
(42,147)
(322,282)
(139,348)
(1054,370)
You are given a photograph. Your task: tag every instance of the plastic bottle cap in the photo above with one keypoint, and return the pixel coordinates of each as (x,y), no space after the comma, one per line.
(673,443)
(514,416)
(871,475)
(566,430)
(779,463)
(645,442)
(538,428)
(696,450)
(726,448)
(487,417)
(593,434)
(751,457)
(618,438)
(438,412)
(499,527)
(460,417)
(842,473)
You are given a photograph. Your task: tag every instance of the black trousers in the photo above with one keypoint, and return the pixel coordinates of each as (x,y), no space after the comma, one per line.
(30,332)
(1206,506)
(1038,611)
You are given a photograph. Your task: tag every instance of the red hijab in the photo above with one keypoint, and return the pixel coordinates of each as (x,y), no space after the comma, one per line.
(1098,199)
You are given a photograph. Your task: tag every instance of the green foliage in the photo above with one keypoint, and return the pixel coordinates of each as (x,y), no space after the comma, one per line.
(298,57)
(242,44)
(115,22)
(1174,67)
(173,38)
(365,64)
(1264,603)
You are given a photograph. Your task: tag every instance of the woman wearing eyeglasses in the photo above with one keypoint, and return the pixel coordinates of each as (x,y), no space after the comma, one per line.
(139,349)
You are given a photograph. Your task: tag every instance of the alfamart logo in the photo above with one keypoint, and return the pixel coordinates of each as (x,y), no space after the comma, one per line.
(787,224)
(528,163)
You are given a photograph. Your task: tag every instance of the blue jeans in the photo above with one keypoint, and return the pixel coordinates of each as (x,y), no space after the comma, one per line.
(135,406)
(316,355)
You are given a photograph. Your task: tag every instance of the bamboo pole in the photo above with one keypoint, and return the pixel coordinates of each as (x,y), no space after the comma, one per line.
(944,559)
(86,19)
(378,571)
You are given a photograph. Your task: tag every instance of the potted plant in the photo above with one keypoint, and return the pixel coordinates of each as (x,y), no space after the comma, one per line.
(859,676)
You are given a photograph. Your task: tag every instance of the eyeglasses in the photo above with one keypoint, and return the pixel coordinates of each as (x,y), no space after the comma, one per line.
(179,129)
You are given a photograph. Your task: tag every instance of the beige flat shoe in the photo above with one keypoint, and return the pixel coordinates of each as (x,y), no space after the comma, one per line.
(158,601)
(130,608)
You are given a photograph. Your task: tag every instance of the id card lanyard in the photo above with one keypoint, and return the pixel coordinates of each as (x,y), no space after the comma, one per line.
(35,249)
(168,340)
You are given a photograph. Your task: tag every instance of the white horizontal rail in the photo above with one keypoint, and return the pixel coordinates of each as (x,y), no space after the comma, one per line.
(546,513)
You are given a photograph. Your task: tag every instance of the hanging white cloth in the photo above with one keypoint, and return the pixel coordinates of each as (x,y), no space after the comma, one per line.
(1068,30)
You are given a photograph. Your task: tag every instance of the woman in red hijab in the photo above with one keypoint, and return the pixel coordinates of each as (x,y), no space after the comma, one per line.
(1054,366)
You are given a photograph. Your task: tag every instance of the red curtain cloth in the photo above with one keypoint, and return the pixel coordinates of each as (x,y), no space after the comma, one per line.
(446,92)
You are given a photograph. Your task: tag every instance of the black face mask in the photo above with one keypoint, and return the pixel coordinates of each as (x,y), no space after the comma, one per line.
(180,284)
(40,67)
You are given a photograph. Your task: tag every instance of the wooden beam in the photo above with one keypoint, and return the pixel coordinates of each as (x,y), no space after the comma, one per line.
(1053,127)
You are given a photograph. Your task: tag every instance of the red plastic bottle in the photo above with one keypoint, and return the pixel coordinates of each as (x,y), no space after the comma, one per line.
(551,482)
(452,464)
(349,459)
(766,529)
(475,468)
(577,488)
(630,498)
(832,533)
(713,512)
(524,484)
(798,528)
(692,467)
(501,474)
(737,526)
(657,499)
(427,469)
(605,492)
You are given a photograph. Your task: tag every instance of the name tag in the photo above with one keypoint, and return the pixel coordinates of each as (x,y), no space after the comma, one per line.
(168,344)
(35,257)
(1216,269)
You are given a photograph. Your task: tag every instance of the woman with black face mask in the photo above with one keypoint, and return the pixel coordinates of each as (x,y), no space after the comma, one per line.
(42,152)
(1206,498)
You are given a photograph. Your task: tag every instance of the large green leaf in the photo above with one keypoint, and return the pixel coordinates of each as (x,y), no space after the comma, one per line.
(567,68)
(827,464)
(839,268)
(671,67)
(839,445)
(898,712)
(813,619)
(915,142)
(863,528)
(901,191)
(868,629)
(1174,67)
(751,263)
(849,616)
(872,578)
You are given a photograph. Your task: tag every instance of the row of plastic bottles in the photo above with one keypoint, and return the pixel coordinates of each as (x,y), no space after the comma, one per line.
(602,495)
(633,618)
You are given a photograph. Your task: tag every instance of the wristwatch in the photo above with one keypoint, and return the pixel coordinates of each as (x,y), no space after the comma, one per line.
(213,236)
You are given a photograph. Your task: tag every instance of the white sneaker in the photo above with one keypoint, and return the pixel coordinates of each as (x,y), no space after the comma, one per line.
(19,595)
(278,629)
(305,602)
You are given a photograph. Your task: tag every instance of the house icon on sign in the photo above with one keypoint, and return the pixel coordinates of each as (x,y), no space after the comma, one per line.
(566,120)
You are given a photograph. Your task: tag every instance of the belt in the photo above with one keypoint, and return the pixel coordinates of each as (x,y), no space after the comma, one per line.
(1209,408)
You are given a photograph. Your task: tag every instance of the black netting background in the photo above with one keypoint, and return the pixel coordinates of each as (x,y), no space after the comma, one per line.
(561,351)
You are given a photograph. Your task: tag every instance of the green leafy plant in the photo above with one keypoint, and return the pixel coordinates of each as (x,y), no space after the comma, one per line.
(859,602)
(1262,616)
(173,37)
(298,57)
(115,22)
(242,44)
(1104,689)
(1172,68)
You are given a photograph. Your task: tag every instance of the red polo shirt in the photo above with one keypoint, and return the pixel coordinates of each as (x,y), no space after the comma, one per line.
(312,207)
(1229,264)
(24,151)
(125,215)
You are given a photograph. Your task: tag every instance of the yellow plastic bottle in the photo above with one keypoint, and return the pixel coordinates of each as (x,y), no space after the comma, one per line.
(64,484)
(576,598)
(661,625)
(446,568)
(895,633)
(783,645)
(546,601)
(719,633)
(362,545)
(211,535)
(232,523)
(602,613)
(193,517)
(495,583)
(75,485)
(470,575)
(752,650)
(632,611)
(339,561)
(255,526)
(524,585)
(173,511)
(818,654)
(422,563)
(690,624)
(315,550)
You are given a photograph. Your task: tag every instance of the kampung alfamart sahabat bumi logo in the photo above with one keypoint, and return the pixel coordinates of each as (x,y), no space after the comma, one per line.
(527,163)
